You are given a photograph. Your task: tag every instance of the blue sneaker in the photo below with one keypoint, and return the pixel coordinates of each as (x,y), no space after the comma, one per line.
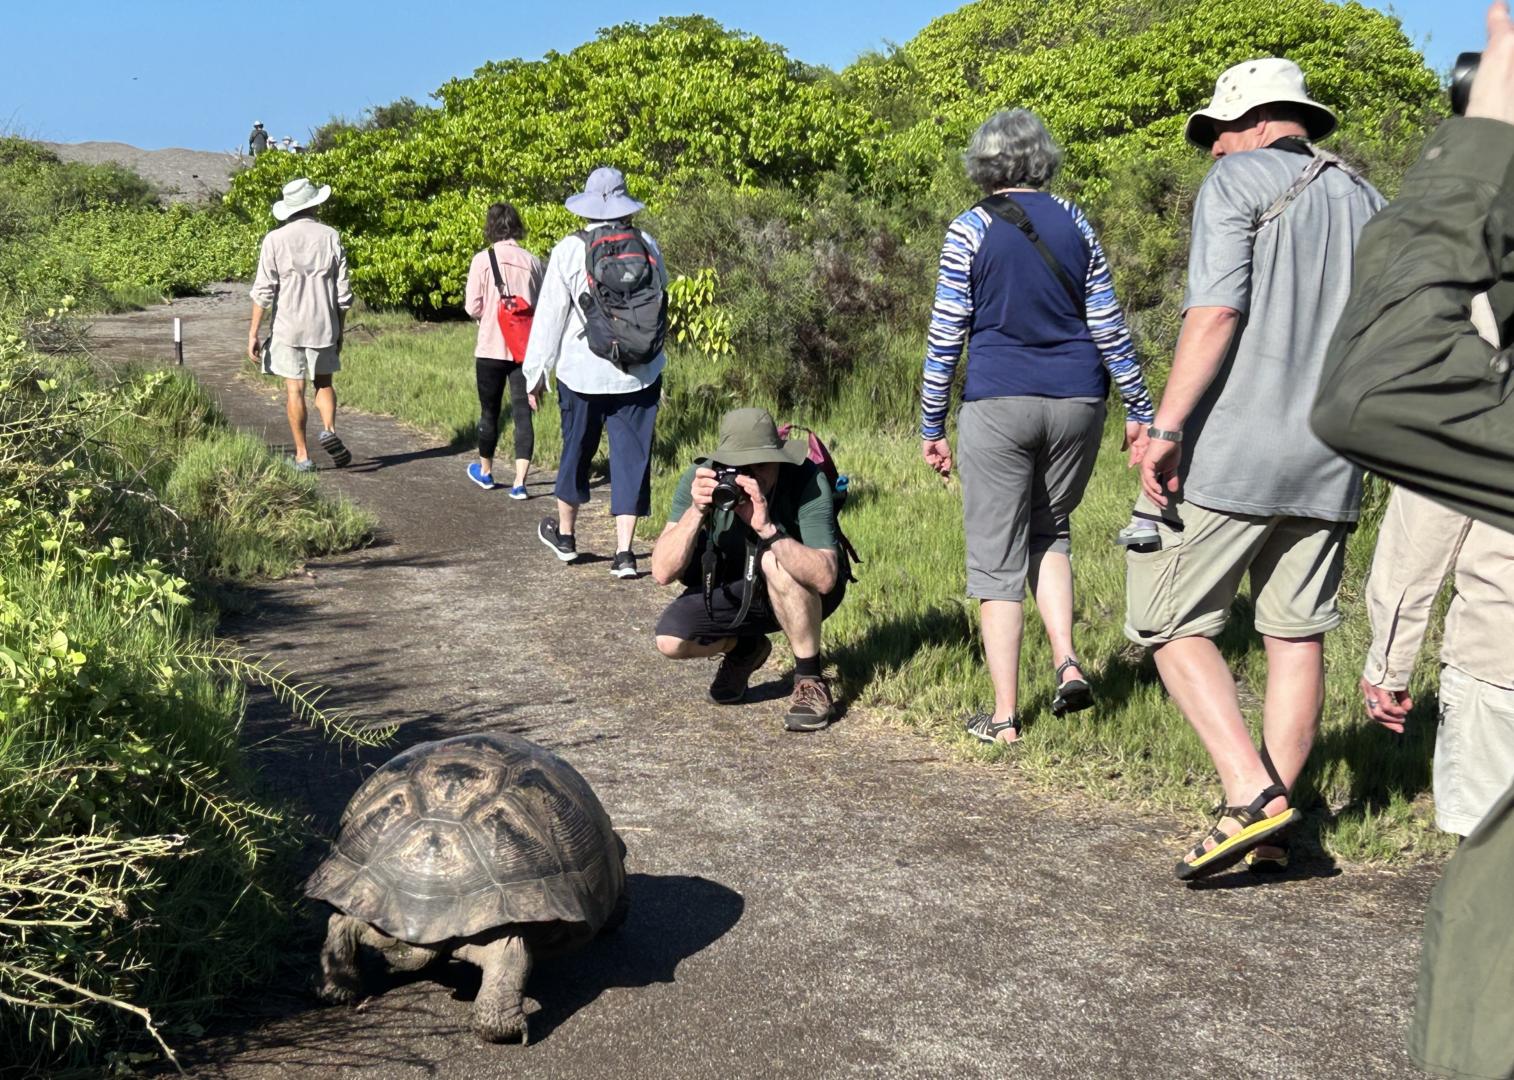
(519,492)
(481,478)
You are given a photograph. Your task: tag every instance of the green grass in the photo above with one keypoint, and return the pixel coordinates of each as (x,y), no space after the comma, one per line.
(906,642)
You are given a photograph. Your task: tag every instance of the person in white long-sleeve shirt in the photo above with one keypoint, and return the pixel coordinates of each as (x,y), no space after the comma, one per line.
(595,395)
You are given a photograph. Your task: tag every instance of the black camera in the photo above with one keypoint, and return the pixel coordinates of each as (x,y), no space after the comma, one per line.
(727,494)
(1461,81)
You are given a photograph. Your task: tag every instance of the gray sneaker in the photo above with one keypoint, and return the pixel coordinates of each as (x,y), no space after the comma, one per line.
(301,464)
(810,707)
(564,547)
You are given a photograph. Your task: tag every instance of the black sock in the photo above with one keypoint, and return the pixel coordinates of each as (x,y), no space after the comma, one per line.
(807,667)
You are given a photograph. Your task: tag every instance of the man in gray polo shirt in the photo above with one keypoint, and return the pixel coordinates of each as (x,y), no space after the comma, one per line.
(1234,480)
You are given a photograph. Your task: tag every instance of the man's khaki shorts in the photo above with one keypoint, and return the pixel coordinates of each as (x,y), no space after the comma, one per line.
(1186,588)
(299,362)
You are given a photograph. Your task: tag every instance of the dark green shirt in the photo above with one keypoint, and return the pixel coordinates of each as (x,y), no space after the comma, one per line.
(1409,388)
(801,504)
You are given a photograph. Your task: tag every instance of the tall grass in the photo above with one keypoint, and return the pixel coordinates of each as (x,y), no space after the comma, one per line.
(906,641)
(142,876)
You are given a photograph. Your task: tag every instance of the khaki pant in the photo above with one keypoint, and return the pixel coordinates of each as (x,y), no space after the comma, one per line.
(1187,586)
(1474,750)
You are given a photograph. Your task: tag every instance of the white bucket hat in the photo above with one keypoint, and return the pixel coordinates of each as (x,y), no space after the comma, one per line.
(604,197)
(300,194)
(1267,81)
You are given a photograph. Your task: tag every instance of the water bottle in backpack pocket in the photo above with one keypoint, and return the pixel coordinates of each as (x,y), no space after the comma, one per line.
(624,305)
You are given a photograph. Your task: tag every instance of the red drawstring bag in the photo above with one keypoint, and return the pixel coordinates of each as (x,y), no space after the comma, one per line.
(514,314)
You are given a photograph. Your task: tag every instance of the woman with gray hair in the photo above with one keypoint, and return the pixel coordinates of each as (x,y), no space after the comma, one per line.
(1024,283)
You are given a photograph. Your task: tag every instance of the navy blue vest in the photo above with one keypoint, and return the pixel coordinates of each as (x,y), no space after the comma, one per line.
(1027,337)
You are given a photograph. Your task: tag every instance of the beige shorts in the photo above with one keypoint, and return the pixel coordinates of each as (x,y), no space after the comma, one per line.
(299,362)
(1186,587)
(1474,749)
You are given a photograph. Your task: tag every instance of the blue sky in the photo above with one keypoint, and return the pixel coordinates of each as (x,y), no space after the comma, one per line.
(160,73)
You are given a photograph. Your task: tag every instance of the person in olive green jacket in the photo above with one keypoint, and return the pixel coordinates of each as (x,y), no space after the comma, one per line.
(1412,391)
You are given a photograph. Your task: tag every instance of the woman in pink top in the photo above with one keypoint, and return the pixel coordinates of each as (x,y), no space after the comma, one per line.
(493,364)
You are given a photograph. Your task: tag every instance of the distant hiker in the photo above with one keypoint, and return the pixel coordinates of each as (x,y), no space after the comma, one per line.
(257,142)
(287,144)
(1233,479)
(1024,283)
(503,282)
(752,535)
(302,276)
(600,322)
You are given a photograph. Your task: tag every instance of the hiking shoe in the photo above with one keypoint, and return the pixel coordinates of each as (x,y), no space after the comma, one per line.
(481,478)
(341,457)
(301,464)
(737,668)
(810,707)
(624,565)
(519,492)
(564,547)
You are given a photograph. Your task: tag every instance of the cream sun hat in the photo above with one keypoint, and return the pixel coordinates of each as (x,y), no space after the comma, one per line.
(300,194)
(1265,81)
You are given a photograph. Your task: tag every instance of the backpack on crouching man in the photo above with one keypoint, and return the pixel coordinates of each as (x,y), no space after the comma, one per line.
(624,305)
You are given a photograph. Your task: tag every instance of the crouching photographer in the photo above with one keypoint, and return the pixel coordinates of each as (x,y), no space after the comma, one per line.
(752,535)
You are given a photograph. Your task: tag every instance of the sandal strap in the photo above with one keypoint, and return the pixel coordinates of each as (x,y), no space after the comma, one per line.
(1251,813)
(988,727)
(1071,661)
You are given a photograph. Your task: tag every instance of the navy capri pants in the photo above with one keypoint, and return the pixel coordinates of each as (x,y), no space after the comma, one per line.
(629,419)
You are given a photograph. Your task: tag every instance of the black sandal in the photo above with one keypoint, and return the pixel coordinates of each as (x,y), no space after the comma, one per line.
(1075,695)
(981,726)
(1229,850)
(1260,862)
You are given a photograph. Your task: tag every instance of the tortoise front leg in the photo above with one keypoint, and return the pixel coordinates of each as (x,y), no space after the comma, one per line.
(499,1014)
(341,982)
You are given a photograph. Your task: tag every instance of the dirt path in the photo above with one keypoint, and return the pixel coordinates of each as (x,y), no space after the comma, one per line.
(845,904)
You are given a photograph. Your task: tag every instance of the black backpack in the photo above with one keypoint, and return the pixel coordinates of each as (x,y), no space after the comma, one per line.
(624,305)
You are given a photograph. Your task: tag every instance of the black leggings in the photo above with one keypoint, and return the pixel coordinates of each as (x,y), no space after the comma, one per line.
(492,375)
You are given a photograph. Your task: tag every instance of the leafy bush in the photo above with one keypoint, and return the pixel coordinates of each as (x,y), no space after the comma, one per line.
(142,877)
(397,114)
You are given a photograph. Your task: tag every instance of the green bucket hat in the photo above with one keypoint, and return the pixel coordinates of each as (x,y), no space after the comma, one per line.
(749,437)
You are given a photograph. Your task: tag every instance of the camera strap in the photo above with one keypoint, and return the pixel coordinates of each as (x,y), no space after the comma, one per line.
(1322,160)
(709,566)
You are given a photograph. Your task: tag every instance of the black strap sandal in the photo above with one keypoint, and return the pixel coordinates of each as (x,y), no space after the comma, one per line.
(981,726)
(1075,695)
(1229,850)
(1270,856)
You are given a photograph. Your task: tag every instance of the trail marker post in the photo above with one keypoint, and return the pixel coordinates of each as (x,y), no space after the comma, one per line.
(178,341)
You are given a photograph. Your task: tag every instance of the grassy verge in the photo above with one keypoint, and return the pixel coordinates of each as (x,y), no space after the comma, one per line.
(906,641)
(142,877)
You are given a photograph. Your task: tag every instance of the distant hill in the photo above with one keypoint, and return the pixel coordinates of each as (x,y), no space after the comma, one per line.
(182,175)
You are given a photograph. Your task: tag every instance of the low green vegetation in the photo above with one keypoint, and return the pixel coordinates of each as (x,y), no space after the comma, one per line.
(143,878)
(96,235)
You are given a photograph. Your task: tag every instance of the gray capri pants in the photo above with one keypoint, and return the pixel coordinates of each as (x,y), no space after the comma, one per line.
(1024,463)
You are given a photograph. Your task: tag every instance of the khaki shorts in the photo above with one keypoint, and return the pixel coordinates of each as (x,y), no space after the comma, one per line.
(1186,587)
(1474,749)
(299,362)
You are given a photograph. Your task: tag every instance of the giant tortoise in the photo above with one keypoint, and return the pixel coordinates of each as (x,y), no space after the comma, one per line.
(485,847)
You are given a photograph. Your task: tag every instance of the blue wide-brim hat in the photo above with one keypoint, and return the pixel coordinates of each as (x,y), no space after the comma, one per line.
(604,197)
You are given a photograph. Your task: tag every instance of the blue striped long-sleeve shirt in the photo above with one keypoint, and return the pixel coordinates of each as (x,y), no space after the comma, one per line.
(1023,334)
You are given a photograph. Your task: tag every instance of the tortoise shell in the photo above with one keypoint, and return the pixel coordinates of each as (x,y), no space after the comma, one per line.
(457,837)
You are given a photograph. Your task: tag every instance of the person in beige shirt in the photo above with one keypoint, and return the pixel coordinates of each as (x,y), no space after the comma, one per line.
(302,276)
(1421,540)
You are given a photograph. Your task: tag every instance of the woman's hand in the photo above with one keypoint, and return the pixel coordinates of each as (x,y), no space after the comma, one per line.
(1135,441)
(1390,708)
(938,455)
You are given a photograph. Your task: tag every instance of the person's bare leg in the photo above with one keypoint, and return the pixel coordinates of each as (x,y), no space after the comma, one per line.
(567,517)
(1051,582)
(1198,679)
(675,648)
(1291,715)
(1003,631)
(625,531)
(294,409)
(522,466)
(796,608)
(499,1013)
(325,402)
